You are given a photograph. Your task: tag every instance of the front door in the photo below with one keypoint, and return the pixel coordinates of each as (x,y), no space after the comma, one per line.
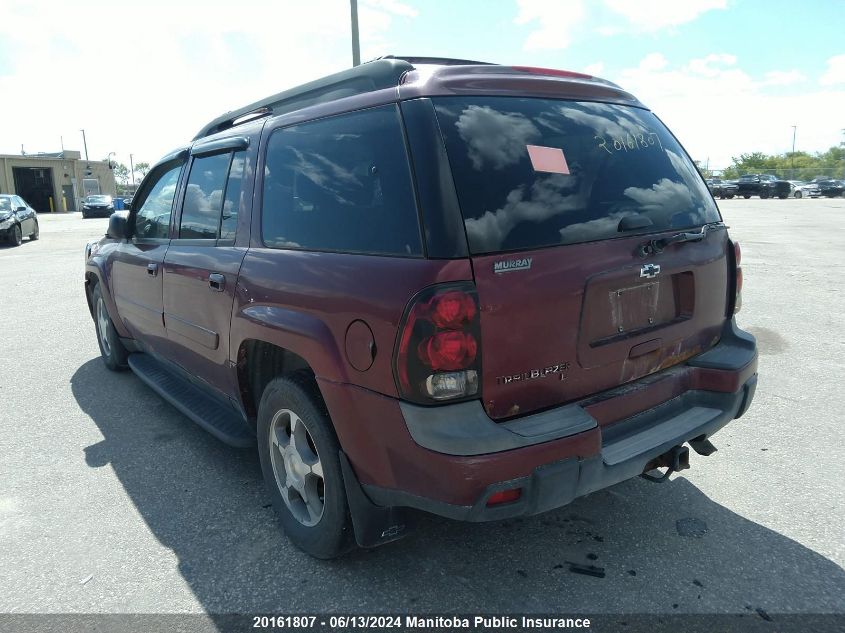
(26,216)
(137,265)
(201,270)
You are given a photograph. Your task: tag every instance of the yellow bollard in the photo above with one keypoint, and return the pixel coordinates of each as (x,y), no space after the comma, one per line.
(64,203)
(51,204)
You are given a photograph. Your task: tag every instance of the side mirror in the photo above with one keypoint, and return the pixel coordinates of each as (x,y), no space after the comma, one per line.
(21,209)
(118,225)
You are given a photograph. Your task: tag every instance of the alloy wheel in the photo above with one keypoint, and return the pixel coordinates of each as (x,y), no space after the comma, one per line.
(103,323)
(297,467)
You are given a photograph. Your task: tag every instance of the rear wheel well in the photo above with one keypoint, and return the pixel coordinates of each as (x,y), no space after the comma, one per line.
(259,362)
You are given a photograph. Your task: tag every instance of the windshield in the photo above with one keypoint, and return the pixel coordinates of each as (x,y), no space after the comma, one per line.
(539,172)
(98,199)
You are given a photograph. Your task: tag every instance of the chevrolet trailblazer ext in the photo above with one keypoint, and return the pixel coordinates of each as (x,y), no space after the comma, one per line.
(476,290)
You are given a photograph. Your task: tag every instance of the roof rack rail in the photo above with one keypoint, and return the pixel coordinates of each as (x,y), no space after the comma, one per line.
(374,75)
(441,61)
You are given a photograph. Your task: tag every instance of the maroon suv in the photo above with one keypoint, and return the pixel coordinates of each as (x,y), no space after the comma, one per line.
(475,290)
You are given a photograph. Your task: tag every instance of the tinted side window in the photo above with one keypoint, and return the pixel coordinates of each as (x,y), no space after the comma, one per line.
(232,200)
(204,197)
(341,184)
(153,216)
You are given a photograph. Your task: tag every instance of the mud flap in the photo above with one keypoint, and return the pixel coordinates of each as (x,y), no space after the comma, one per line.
(374,525)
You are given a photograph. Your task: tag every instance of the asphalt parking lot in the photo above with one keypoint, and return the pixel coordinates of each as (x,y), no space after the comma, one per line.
(111,501)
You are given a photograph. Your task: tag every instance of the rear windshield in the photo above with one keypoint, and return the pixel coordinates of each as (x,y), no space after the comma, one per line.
(539,172)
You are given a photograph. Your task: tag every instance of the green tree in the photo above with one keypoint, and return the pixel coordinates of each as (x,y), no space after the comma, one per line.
(142,169)
(798,165)
(121,172)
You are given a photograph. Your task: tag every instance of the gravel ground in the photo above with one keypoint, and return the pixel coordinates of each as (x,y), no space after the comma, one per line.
(112,502)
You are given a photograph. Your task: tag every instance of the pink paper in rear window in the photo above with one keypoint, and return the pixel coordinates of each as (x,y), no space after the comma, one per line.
(548,159)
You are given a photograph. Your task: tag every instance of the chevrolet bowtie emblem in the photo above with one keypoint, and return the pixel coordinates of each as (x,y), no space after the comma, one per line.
(650,270)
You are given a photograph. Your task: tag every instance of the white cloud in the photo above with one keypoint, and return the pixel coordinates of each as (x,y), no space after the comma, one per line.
(394,7)
(652,62)
(145,79)
(718,110)
(709,66)
(556,21)
(835,73)
(653,15)
(783,78)
(609,31)
(595,69)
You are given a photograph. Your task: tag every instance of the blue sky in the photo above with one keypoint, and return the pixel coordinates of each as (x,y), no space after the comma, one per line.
(727,76)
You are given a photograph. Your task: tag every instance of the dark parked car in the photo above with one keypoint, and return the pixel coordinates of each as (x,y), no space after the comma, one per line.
(831,188)
(97,206)
(722,188)
(17,220)
(763,185)
(475,290)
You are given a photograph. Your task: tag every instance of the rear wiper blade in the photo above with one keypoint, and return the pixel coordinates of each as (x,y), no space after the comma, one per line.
(653,247)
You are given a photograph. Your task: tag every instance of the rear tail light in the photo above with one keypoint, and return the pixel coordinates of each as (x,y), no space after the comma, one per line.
(439,355)
(738,279)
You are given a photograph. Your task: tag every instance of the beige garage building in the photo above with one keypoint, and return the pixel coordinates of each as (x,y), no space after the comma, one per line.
(54,182)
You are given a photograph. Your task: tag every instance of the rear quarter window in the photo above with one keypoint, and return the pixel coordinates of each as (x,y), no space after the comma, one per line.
(341,184)
(532,173)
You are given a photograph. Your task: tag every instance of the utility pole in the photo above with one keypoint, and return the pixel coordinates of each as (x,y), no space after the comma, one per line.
(356,46)
(85,144)
(132,172)
(794,128)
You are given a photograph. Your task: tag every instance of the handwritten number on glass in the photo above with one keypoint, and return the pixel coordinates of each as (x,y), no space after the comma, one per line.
(629,142)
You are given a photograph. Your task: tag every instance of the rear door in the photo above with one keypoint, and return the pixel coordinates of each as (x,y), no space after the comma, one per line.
(558,199)
(202,264)
(136,264)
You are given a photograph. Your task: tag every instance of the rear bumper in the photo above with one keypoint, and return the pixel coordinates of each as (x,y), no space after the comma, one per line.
(624,454)
(449,460)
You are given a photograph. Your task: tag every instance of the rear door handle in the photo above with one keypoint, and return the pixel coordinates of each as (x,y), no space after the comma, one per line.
(152,269)
(217,282)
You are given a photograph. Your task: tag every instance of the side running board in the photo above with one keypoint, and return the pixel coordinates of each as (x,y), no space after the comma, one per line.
(217,418)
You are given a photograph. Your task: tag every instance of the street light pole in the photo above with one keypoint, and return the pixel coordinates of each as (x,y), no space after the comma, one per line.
(794,128)
(84,143)
(356,46)
(132,172)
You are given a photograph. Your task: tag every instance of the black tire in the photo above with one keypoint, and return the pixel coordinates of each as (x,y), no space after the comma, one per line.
(783,196)
(15,237)
(746,196)
(764,194)
(35,234)
(730,196)
(111,348)
(799,195)
(85,216)
(332,534)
